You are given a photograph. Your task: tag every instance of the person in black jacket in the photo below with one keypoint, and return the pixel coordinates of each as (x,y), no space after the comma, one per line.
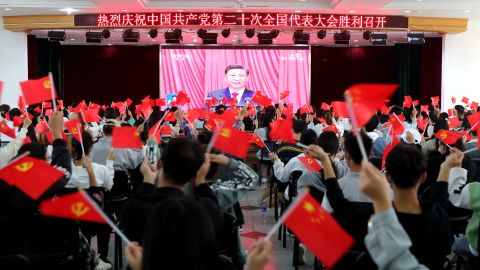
(182,161)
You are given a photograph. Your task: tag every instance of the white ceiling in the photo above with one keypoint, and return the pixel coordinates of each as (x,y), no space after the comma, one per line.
(437,8)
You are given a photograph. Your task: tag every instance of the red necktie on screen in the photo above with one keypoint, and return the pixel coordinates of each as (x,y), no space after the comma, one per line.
(234,94)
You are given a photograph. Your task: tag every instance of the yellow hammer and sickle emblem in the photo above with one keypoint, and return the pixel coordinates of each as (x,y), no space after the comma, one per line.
(443,135)
(226,133)
(79,209)
(310,161)
(136,134)
(74,131)
(25,166)
(47,84)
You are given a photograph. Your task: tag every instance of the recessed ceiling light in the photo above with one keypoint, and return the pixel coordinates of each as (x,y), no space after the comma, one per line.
(352,11)
(234,36)
(303,0)
(180,10)
(72,39)
(238,10)
(407,11)
(124,10)
(195,40)
(109,44)
(356,40)
(234,40)
(298,11)
(8,9)
(467,11)
(69,10)
(419,0)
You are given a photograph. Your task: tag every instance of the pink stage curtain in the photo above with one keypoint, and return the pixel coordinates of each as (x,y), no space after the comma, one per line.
(272,71)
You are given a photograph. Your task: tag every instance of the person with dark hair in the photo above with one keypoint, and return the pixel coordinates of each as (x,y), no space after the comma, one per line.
(4,108)
(182,161)
(426,222)
(379,143)
(236,77)
(350,182)
(432,145)
(287,151)
(172,243)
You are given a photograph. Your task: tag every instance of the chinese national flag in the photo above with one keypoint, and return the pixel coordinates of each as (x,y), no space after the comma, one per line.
(424,108)
(21,104)
(422,124)
(474,120)
(146,110)
(38,109)
(449,136)
(388,149)
(193,114)
(318,230)
(94,106)
(49,136)
(450,112)
(160,102)
(384,109)
(281,130)
(435,100)
(407,102)
(306,109)
(90,116)
(331,128)
(465,100)
(325,106)
(261,100)
(182,98)
(170,117)
(397,124)
(454,100)
(5,129)
(474,106)
(36,91)
(310,163)
(368,98)
(228,117)
(32,176)
(233,142)
(42,126)
(453,122)
(284,95)
(161,130)
(82,106)
(256,140)
(47,105)
(17,120)
(128,102)
(72,206)
(126,137)
(73,127)
(340,108)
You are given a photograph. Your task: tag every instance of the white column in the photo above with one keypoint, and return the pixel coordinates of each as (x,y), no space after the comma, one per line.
(13,64)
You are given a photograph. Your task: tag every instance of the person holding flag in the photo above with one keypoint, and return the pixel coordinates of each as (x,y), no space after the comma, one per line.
(10,150)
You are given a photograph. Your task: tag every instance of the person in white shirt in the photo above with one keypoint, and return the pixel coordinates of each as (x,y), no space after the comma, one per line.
(10,150)
(86,174)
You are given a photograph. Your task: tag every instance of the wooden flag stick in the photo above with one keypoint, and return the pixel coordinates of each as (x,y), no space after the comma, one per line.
(355,126)
(81,139)
(471,150)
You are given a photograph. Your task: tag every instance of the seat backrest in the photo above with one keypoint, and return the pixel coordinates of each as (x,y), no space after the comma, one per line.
(292,183)
(15,261)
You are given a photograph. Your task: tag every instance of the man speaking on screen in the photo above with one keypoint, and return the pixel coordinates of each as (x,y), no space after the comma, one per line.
(236,77)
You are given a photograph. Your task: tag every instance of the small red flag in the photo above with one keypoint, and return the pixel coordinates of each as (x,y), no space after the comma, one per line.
(21,104)
(474,120)
(160,102)
(5,129)
(397,124)
(128,102)
(340,108)
(284,95)
(325,106)
(388,149)
(49,136)
(31,175)
(450,112)
(474,106)
(318,230)
(331,128)
(256,140)
(38,109)
(182,98)
(46,104)
(465,100)
(60,104)
(233,142)
(310,163)
(146,110)
(449,136)
(281,130)
(36,91)
(422,124)
(73,127)
(368,98)
(82,106)
(306,109)
(72,206)
(453,122)
(18,120)
(415,103)
(170,117)
(407,102)
(435,100)
(42,126)
(261,100)
(90,116)
(454,100)
(126,137)
(424,108)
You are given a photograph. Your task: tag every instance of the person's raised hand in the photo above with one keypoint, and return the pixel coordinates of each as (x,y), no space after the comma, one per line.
(273,156)
(202,171)
(410,138)
(259,255)
(148,171)
(178,115)
(219,159)
(374,184)
(317,152)
(454,159)
(134,254)
(56,124)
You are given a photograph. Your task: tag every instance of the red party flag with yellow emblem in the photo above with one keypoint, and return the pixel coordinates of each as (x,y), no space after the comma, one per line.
(73,127)
(449,136)
(5,129)
(310,163)
(72,206)
(318,230)
(36,91)
(233,141)
(367,99)
(32,176)
(126,137)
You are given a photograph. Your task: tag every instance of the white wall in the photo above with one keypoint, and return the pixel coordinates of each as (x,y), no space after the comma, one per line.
(13,63)
(461,65)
